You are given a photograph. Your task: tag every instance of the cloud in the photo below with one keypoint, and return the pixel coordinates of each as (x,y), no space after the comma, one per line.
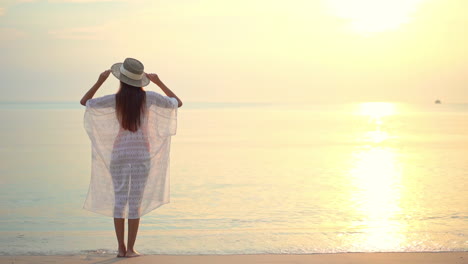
(11,34)
(2,11)
(91,33)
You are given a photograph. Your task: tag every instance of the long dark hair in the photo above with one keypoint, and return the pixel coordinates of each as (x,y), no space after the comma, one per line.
(130,103)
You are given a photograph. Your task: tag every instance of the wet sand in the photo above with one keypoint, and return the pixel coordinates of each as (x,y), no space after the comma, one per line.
(348,258)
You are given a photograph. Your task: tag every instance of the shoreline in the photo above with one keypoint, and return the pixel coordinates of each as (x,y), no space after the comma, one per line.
(457,257)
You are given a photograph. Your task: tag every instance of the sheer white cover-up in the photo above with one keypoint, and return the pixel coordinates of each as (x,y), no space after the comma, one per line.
(130,170)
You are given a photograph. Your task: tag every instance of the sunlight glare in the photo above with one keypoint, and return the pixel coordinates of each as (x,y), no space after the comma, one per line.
(377,109)
(373,16)
(376,112)
(376,177)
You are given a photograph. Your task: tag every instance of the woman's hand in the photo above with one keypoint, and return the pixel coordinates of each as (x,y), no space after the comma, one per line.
(153,77)
(88,95)
(103,76)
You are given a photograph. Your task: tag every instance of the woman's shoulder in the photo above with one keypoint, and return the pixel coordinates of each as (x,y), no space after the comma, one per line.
(103,101)
(106,97)
(152,93)
(153,96)
(160,100)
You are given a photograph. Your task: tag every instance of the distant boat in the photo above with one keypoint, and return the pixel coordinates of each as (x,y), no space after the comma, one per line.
(437,101)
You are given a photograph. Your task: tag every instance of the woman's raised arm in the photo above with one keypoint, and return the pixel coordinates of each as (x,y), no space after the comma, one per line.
(88,95)
(155,79)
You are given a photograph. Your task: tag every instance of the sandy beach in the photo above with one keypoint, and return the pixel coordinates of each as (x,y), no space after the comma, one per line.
(348,258)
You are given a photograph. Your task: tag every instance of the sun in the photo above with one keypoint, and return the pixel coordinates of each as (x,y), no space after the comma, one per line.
(374,16)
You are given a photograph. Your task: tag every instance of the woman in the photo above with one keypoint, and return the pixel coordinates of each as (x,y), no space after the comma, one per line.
(130,132)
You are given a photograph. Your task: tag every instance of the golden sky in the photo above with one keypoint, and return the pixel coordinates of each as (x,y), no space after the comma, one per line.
(240,51)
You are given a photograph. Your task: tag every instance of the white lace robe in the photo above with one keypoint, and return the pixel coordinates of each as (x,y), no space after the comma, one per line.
(130,170)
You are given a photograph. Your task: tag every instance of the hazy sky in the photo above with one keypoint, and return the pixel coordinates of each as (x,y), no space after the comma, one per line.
(241,51)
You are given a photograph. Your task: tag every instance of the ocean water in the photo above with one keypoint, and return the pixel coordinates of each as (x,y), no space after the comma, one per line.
(251,179)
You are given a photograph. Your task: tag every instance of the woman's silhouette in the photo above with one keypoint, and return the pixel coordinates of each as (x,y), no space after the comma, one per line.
(130,134)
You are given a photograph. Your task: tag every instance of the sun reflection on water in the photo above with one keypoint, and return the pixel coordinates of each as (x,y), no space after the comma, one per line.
(375,182)
(377,109)
(376,112)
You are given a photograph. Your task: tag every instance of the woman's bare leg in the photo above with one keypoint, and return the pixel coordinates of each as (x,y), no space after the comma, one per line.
(132,234)
(119,224)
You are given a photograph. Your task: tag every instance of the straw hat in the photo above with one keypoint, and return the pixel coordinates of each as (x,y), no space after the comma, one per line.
(130,72)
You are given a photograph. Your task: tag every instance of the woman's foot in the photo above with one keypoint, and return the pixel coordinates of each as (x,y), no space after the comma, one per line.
(132,253)
(122,251)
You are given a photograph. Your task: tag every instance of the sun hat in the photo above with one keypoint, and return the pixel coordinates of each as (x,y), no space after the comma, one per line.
(130,72)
